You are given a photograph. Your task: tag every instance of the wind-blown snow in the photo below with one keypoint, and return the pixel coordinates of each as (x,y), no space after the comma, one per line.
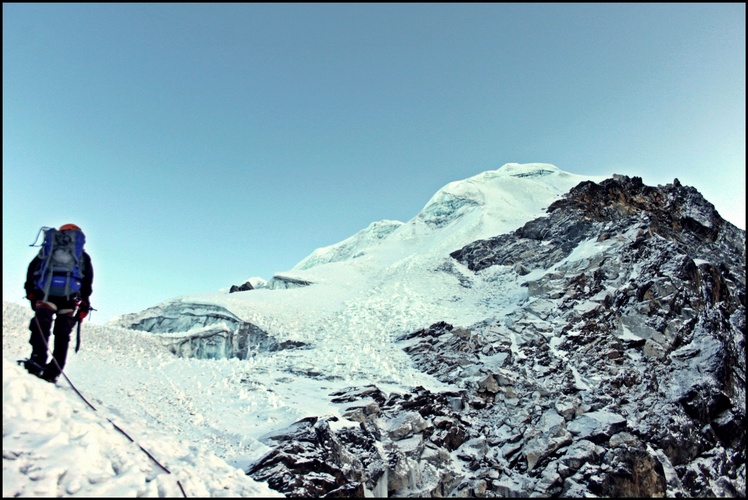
(204,419)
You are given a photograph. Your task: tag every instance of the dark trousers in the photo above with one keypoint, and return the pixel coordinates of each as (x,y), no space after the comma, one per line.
(40,327)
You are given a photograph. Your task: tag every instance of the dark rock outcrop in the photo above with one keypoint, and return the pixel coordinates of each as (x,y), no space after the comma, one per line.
(241,288)
(394,437)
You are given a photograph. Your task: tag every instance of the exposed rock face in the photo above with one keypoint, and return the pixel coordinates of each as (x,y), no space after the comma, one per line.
(400,447)
(623,373)
(242,288)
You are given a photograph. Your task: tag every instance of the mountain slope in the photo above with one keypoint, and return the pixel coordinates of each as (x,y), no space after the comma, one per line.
(622,373)
(528,333)
(392,277)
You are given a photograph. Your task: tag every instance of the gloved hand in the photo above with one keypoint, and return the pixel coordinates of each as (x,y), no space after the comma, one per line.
(83,309)
(32,300)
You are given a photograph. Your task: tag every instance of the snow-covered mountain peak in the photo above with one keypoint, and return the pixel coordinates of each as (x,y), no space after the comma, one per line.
(484,205)
(512,194)
(528,169)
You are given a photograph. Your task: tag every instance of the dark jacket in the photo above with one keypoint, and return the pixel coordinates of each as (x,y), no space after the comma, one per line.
(86,282)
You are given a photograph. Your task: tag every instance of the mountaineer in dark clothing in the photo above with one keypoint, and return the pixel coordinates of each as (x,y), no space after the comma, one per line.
(58,283)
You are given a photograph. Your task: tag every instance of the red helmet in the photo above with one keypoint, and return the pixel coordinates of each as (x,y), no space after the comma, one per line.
(69,227)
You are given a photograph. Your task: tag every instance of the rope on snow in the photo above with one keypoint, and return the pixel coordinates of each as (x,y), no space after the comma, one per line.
(118,428)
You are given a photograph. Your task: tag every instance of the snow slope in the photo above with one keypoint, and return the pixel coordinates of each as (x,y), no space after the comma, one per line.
(55,444)
(393,278)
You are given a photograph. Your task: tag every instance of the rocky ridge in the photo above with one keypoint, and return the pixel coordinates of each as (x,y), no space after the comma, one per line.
(622,374)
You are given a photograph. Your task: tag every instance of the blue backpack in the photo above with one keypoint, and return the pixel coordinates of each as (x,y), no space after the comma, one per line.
(61,269)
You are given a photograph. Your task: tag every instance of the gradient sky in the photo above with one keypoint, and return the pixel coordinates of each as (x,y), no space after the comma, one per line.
(199,145)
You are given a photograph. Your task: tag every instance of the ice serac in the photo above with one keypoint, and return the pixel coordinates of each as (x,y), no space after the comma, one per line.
(284,282)
(204,331)
(180,315)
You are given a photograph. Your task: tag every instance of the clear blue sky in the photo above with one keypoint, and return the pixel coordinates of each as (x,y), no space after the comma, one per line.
(198,145)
